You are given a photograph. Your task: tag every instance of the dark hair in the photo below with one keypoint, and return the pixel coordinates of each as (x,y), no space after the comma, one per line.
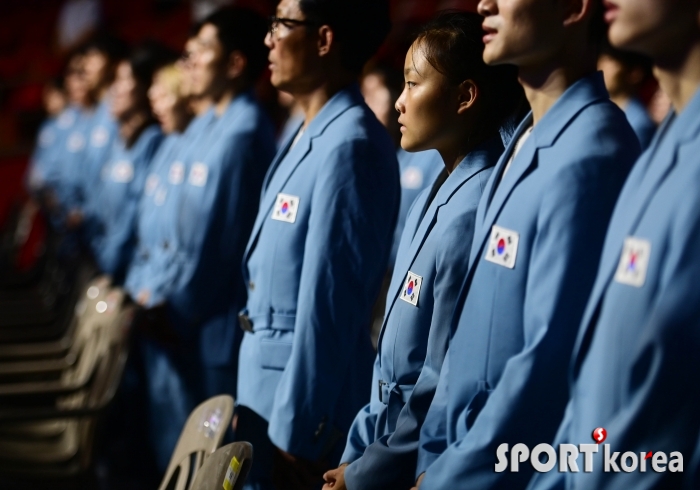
(360,26)
(241,29)
(453,45)
(112,47)
(147,59)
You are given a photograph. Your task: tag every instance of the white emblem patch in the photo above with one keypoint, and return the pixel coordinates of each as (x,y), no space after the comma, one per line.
(199,174)
(99,137)
(632,269)
(123,172)
(177,173)
(286,208)
(151,184)
(76,142)
(160,196)
(412,178)
(411,288)
(503,247)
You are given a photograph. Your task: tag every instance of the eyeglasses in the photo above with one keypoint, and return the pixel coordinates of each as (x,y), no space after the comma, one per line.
(274,22)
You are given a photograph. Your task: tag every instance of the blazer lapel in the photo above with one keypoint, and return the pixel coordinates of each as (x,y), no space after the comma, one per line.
(659,161)
(289,158)
(476,161)
(584,92)
(278,177)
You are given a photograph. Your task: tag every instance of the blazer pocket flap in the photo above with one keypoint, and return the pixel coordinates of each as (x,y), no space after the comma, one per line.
(274,354)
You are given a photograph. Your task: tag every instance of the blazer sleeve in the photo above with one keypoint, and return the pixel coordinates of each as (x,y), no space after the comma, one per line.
(363,429)
(532,392)
(433,434)
(350,227)
(389,461)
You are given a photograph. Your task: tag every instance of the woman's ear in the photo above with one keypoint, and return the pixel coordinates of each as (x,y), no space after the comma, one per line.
(468,93)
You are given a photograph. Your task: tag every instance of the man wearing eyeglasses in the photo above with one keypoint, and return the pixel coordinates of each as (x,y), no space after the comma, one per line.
(319,247)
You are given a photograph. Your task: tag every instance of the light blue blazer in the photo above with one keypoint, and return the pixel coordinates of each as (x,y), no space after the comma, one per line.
(314,266)
(216,209)
(62,174)
(102,134)
(114,221)
(154,266)
(383,440)
(504,376)
(634,369)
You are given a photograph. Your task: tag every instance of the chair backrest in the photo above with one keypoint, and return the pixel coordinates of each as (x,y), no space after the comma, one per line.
(201,435)
(227,468)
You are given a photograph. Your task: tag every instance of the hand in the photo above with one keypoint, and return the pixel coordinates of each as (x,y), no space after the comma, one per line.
(419,481)
(335,479)
(290,472)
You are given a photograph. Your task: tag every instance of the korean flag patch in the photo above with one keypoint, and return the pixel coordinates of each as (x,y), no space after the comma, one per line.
(123,172)
(286,208)
(199,174)
(176,174)
(632,269)
(99,137)
(411,288)
(503,247)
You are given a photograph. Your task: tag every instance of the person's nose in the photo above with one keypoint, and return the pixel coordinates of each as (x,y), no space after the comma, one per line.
(269,41)
(486,8)
(400,104)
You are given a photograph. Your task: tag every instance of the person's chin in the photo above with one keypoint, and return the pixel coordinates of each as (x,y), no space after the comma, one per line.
(492,55)
(620,37)
(410,145)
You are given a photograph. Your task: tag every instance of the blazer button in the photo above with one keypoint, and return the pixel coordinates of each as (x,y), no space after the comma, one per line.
(251,285)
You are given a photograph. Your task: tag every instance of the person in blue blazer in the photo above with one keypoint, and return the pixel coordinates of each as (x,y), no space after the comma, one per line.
(625,74)
(319,247)
(102,54)
(169,401)
(171,108)
(54,172)
(113,222)
(49,136)
(637,351)
(539,232)
(210,198)
(453,104)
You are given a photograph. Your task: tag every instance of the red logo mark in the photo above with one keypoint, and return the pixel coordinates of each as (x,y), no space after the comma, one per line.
(648,455)
(599,435)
